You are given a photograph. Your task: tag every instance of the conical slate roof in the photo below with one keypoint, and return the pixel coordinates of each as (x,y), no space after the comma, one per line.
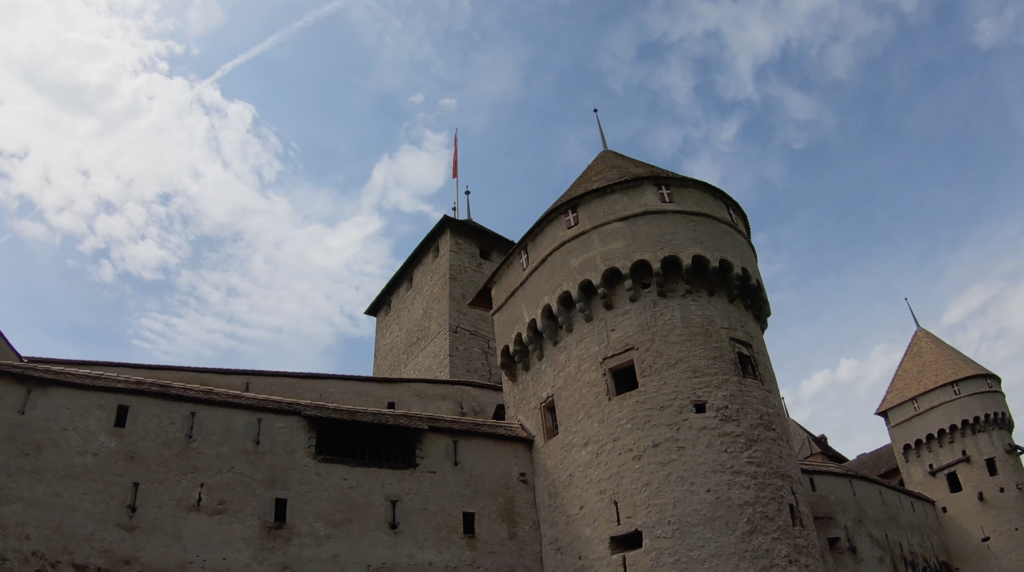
(928,363)
(608,168)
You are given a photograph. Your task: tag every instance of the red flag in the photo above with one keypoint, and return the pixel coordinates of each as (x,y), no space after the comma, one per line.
(455,157)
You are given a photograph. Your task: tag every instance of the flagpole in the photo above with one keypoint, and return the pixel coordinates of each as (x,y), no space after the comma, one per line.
(455,171)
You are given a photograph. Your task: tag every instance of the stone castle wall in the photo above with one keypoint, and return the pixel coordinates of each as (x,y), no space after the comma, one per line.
(716,490)
(471,345)
(460,399)
(865,526)
(412,327)
(68,479)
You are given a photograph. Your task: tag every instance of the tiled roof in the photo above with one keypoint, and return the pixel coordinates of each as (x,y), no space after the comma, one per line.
(927,364)
(71,363)
(118,382)
(463,225)
(806,444)
(834,469)
(877,462)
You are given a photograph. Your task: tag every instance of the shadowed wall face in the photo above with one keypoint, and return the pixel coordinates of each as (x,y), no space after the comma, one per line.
(632,347)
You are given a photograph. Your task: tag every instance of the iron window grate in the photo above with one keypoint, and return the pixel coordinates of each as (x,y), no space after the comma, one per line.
(365,444)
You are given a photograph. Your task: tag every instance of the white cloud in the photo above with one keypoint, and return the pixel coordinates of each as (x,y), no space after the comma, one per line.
(841,401)
(997,22)
(417,99)
(448,104)
(155,177)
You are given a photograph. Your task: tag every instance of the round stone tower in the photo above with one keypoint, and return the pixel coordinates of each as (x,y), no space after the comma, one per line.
(630,321)
(953,436)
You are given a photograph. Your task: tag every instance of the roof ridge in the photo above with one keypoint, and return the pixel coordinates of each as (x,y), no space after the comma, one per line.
(24,368)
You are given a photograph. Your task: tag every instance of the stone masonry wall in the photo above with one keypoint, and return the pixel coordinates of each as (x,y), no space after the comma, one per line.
(717,490)
(863,526)
(466,400)
(412,327)
(471,343)
(68,474)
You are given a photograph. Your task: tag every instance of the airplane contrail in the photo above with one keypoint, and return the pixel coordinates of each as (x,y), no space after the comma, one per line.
(276,38)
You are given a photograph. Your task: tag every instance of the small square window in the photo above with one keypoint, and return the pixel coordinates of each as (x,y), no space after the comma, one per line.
(549,419)
(391,404)
(665,194)
(835,544)
(485,254)
(747,366)
(953,481)
(626,542)
(499,412)
(623,378)
(700,407)
(990,464)
(121,418)
(469,523)
(944,510)
(572,218)
(524,258)
(956,388)
(917,406)
(280,511)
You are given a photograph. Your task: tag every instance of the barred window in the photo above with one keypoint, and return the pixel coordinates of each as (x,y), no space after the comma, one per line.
(365,444)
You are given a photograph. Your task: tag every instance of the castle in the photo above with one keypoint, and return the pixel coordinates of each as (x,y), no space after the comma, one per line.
(594,397)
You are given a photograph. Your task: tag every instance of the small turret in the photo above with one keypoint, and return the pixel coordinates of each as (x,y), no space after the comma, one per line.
(953,434)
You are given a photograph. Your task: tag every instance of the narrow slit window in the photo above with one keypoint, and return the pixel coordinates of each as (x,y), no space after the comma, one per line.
(469,523)
(794,516)
(988,381)
(953,480)
(121,418)
(814,487)
(624,378)
(456,452)
(549,418)
(280,511)
(627,542)
(917,406)
(747,366)
(956,388)
(990,464)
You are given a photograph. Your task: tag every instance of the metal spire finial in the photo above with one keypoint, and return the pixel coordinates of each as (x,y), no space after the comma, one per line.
(916,323)
(469,213)
(604,144)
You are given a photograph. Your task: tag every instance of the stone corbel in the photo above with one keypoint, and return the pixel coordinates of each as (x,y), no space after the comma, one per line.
(659,282)
(583,306)
(602,293)
(564,319)
(631,288)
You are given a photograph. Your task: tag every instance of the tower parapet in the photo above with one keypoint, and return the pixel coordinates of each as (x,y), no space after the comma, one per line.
(630,321)
(953,433)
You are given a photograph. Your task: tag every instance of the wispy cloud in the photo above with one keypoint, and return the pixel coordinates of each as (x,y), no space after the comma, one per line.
(167,182)
(277,37)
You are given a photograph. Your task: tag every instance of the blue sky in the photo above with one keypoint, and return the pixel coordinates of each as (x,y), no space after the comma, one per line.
(227,183)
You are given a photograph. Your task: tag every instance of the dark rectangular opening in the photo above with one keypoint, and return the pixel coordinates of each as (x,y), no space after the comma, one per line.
(391,404)
(499,412)
(944,510)
(550,419)
(626,542)
(700,407)
(747,366)
(954,482)
(469,523)
(990,464)
(814,488)
(485,254)
(624,378)
(121,419)
(835,543)
(280,511)
(794,516)
(365,444)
